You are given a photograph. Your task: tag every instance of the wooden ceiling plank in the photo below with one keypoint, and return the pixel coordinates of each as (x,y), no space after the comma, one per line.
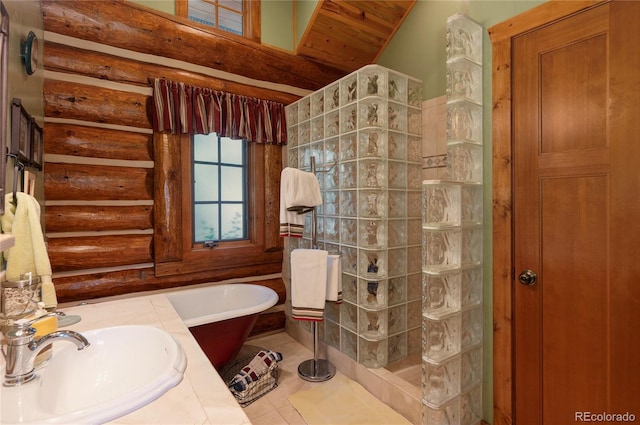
(329,51)
(382,12)
(356,18)
(339,46)
(348,34)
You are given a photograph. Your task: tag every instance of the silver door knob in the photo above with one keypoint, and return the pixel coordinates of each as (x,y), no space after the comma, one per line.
(527,277)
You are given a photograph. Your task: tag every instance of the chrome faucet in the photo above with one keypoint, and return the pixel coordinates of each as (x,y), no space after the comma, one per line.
(22,349)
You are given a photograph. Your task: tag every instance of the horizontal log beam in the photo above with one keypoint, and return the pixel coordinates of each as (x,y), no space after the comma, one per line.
(70,100)
(268,322)
(90,218)
(97,182)
(77,140)
(72,60)
(97,285)
(278,286)
(229,257)
(88,63)
(91,252)
(147,31)
(104,22)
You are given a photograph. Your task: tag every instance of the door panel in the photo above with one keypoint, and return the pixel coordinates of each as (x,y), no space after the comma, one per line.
(585,91)
(576,145)
(574,296)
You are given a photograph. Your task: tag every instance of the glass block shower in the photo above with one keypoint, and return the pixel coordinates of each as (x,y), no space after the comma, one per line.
(452,245)
(364,132)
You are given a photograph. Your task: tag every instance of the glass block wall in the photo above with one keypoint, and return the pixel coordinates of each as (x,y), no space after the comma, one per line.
(364,132)
(452,245)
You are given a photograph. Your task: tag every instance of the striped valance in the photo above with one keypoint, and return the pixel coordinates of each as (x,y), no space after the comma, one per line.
(181,108)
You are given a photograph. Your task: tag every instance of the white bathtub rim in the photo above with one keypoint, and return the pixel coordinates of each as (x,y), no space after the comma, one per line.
(195,307)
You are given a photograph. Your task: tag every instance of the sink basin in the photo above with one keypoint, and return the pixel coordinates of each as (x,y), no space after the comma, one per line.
(124,368)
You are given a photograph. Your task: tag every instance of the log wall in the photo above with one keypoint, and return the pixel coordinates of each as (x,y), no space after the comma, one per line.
(99,155)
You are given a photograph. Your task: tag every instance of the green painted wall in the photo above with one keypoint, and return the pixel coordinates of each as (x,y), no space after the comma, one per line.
(277,23)
(166,6)
(304,12)
(24,17)
(418,49)
(276,19)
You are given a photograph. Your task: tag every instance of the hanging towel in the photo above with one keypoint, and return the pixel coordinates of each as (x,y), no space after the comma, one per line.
(334,278)
(299,193)
(29,254)
(308,283)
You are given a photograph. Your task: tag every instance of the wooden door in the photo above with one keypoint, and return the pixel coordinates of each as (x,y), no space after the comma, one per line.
(576,200)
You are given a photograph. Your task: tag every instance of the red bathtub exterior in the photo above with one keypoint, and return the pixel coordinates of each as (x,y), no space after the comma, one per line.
(221,341)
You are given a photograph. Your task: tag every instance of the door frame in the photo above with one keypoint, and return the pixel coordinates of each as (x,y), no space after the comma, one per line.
(501,36)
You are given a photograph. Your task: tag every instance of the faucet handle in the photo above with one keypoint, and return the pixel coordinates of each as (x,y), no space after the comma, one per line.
(24,323)
(21,331)
(20,335)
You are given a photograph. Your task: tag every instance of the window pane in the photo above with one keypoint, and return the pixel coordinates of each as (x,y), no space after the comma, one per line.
(205,147)
(230,21)
(205,182)
(205,223)
(232,4)
(219,188)
(232,221)
(203,12)
(233,187)
(231,150)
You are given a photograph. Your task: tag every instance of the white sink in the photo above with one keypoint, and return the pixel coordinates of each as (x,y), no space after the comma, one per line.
(124,368)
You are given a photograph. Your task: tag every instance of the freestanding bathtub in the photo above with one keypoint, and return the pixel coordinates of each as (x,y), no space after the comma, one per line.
(220,317)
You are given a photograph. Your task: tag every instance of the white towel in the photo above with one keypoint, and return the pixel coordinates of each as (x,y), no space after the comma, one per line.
(29,254)
(308,283)
(334,278)
(299,193)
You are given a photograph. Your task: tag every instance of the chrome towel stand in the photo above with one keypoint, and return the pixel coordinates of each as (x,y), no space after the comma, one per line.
(316,369)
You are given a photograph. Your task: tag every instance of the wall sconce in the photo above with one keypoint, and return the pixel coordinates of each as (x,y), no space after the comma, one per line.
(29,53)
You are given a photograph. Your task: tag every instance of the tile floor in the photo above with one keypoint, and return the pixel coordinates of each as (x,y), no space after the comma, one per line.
(274,408)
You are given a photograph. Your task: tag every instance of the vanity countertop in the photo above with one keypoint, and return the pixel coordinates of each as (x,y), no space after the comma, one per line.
(200,398)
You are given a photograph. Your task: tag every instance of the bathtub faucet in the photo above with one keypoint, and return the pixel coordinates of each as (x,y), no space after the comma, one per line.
(22,349)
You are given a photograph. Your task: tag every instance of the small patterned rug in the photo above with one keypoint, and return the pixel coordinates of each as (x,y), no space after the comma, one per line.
(341,401)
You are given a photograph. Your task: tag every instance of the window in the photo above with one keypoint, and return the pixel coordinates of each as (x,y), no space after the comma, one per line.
(219,189)
(240,17)
(175,246)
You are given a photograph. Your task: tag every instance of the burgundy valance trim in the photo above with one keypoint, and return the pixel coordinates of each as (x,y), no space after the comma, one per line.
(179,108)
